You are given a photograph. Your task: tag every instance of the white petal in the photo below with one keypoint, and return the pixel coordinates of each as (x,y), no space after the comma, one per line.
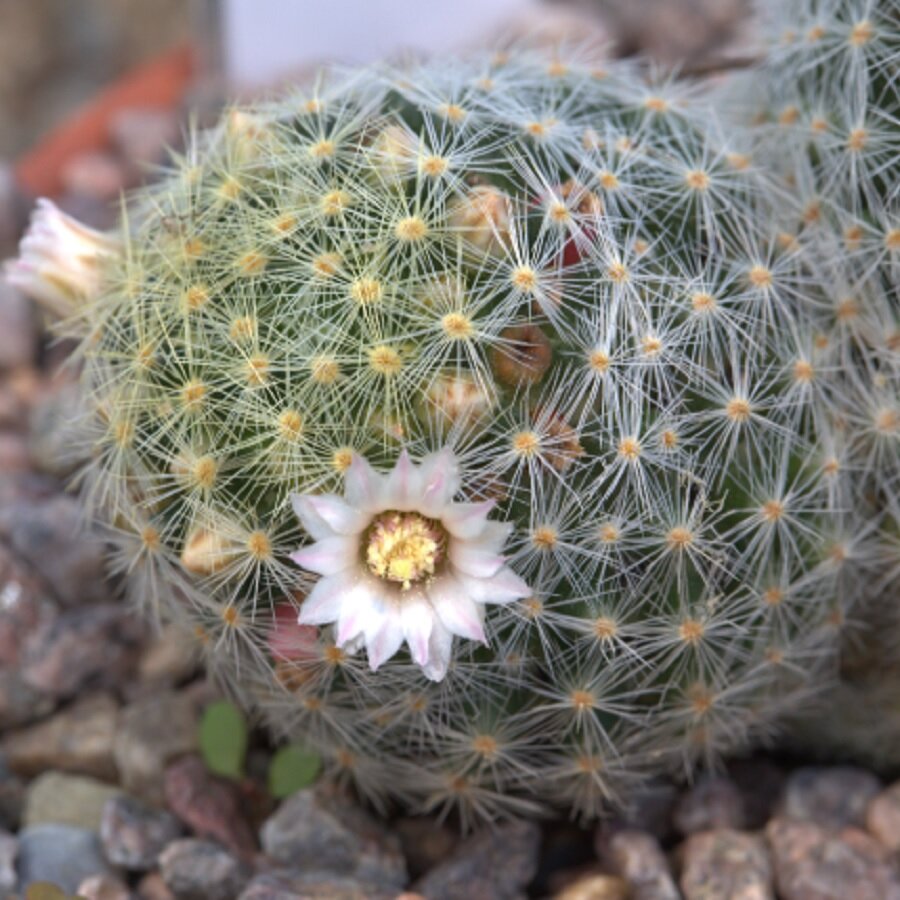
(466,520)
(440,481)
(384,641)
(328,556)
(471,559)
(363,485)
(418,618)
(403,487)
(494,536)
(504,587)
(440,647)
(337,513)
(457,611)
(316,527)
(362,611)
(323,603)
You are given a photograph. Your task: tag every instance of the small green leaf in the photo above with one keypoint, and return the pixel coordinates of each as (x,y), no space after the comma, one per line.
(44,890)
(292,768)
(223,739)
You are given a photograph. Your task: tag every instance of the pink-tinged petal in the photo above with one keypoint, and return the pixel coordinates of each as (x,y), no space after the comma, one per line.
(383,643)
(362,611)
(456,610)
(363,486)
(328,556)
(504,587)
(440,647)
(315,526)
(403,487)
(323,603)
(494,536)
(417,617)
(440,481)
(470,559)
(466,520)
(337,513)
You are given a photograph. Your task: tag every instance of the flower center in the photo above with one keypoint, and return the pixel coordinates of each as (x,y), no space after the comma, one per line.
(404,547)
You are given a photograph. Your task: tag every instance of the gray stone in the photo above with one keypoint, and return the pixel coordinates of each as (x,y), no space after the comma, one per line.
(49,534)
(637,857)
(828,796)
(713,802)
(9,853)
(133,835)
(883,817)
(200,870)
(153,731)
(56,797)
(814,863)
(312,831)
(78,739)
(61,854)
(494,864)
(726,863)
(316,886)
(425,842)
(18,331)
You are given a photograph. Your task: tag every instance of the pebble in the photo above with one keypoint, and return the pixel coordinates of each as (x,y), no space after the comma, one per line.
(883,817)
(9,853)
(18,330)
(637,857)
(828,796)
(61,854)
(152,731)
(494,864)
(78,739)
(200,870)
(713,802)
(315,830)
(91,646)
(425,842)
(815,863)
(56,432)
(170,658)
(211,807)
(59,798)
(315,886)
(12,797)
(133,835)
(20,703)
(595,887)
(726,863)
(49,534)
(14,452)
(152,887)
(103,887)
(648,808)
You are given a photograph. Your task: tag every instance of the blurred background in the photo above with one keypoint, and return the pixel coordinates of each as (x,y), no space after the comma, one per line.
(93,91)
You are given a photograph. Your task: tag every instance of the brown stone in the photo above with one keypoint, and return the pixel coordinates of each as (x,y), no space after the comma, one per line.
(638,858)
(595,887)
(883,817)
(726,863)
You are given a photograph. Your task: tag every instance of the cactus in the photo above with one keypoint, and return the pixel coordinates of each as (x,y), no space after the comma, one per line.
(470,416)
(824,108)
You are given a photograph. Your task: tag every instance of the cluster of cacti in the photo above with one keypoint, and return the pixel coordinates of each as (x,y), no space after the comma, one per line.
(547,298)
(825,112)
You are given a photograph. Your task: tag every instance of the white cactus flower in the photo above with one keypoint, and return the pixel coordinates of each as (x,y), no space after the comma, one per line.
(400,561)
(60,260)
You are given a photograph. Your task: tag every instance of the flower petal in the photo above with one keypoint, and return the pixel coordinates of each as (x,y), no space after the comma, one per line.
(316,527)
(323,603)
(440,647)
(337,513)
(456,610)
(440,481)
(466,520)
(504,587)
(403,486)
(328,556)
(362,485)
(385,640)
(494,536)
(471,559)
(362,611)
(417,617)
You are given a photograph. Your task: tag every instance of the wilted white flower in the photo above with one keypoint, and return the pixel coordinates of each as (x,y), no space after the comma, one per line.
(401,561)
(60,260)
